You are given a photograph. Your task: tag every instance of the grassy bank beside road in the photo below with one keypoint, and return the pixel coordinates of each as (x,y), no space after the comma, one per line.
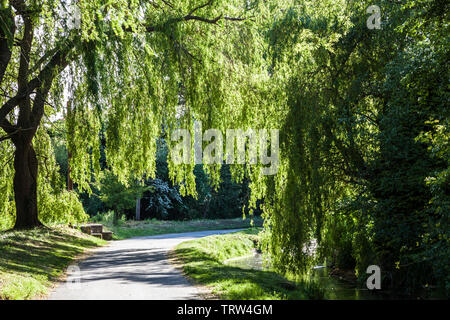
(32,260)
(131,228)
(202,260)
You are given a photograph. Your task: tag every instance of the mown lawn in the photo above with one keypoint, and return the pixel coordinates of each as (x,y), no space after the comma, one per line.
(131,228)
(202,260)
(32,260)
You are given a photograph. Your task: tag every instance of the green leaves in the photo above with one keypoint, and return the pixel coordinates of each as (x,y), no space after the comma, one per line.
(362,114)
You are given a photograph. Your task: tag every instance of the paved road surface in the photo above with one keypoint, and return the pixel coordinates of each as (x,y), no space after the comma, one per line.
(135,268)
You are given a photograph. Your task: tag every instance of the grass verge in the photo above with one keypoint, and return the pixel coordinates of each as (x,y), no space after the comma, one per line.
(32,260)
(131,228)
(202,261)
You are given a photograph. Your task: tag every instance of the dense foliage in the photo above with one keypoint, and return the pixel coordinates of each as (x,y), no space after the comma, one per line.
(362,114)
(365,141)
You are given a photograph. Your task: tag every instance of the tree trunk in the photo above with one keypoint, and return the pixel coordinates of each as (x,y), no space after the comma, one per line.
(69,154)
(116,217)
(25,187)
(138,209)
(69,171)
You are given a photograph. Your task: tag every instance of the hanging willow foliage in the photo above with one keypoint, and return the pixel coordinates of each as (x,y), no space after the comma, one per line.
(346,98)
(134,70)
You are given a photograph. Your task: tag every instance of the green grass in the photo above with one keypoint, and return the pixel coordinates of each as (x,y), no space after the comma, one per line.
(203,258)
(131,228)
(32,260)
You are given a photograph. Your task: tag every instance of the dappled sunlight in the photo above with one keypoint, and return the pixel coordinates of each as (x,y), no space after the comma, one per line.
(40,255)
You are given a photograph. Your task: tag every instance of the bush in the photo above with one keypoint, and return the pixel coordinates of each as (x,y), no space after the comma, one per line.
(116,195)
(107,218)
(64,208)
(160,199)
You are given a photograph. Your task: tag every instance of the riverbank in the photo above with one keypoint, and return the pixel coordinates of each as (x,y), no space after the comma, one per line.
(203,261)
(31,261)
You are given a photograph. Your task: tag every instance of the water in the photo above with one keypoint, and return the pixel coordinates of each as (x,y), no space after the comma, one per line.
(335,289)
(251,262)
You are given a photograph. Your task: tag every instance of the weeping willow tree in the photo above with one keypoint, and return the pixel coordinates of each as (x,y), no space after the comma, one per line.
(302,42)
(136,68)
(363,164)
(356,178)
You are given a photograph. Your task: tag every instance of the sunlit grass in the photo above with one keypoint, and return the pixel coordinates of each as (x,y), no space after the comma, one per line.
(130,228)
(32,260)
(202,261)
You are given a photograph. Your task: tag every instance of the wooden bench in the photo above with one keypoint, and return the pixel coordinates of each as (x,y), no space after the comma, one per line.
(96,230)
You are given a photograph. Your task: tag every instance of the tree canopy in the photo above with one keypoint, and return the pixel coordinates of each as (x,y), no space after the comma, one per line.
(362,113)
(132,67)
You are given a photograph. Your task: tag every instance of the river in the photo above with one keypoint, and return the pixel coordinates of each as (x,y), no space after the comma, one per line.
(334,288)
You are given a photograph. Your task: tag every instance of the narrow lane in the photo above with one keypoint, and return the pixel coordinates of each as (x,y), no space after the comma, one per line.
(136,268)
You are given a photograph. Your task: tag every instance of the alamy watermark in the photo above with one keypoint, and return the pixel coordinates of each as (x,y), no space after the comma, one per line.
(374,20)
(73,280)
(70,13)
(374,280)
(235,147)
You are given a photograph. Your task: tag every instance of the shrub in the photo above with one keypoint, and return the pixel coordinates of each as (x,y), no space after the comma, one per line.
(64,208)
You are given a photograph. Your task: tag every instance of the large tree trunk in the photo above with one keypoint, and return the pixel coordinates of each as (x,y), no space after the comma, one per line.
(25,187)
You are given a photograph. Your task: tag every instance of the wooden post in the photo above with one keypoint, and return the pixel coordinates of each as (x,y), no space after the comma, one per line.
(138,209)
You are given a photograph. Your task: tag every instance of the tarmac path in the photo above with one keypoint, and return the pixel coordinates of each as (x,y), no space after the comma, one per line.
(135,268)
